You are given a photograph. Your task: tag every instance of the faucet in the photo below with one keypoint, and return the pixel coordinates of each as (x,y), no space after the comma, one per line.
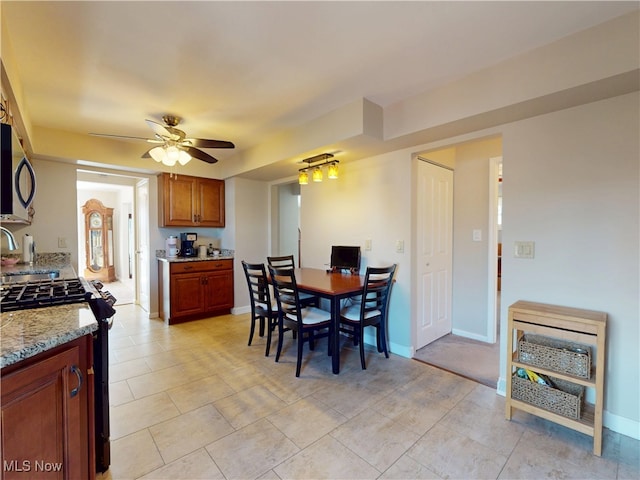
(13,243)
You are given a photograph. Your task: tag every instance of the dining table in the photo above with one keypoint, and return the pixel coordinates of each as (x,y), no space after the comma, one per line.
(333,286)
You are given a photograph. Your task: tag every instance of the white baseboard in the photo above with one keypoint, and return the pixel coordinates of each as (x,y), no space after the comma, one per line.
(624,426)
(241,310)
(472,336)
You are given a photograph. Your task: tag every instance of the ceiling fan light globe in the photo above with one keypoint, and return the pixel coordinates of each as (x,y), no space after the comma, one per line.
(173,154)
(158,154)
(183,158)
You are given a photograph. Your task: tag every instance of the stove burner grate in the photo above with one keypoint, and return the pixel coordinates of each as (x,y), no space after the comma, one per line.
(45,293)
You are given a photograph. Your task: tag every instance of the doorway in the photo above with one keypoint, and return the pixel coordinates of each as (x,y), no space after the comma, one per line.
(286,238)
(117,192)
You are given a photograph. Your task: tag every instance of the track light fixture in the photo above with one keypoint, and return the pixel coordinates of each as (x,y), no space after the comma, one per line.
(317,162)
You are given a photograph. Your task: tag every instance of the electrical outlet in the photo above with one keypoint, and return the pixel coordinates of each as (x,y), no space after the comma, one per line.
(524,249)
(62,242)
(399,246)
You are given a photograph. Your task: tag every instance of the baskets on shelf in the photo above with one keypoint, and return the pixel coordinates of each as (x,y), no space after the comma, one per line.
(560,356)
(565,399)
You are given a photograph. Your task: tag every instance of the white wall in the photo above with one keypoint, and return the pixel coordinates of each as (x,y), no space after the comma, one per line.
(571,185)
(55,209)
(370,200)
(470,260)
(247,208)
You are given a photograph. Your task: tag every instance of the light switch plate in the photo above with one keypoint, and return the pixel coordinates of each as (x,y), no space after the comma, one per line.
(477,235)
(367,244)
(399,246)
(524,249)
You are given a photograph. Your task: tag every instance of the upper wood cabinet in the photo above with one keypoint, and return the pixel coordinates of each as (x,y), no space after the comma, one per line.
(187,201)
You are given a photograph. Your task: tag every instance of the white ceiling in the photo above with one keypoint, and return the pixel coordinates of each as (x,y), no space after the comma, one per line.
(246,71)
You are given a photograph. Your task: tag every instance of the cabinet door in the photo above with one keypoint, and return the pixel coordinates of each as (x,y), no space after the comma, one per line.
(179,200)
(41,419)
(219,290)
(210,203)
(186,294)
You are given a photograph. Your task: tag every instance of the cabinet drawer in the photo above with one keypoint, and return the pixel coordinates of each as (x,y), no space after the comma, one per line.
(204,266)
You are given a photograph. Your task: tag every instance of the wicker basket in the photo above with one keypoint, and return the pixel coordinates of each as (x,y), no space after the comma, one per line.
(566,399)
(556,355)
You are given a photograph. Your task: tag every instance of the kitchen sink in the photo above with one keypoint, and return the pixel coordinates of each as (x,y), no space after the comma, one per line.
(29,276)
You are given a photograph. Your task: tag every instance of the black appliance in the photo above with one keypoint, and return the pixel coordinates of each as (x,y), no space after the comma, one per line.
(345,258)
(17,178)
(187,244)
(103,310)
(49,293)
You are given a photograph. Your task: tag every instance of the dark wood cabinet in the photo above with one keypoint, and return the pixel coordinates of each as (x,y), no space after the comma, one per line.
(187,201)
(195,289)
(47,414)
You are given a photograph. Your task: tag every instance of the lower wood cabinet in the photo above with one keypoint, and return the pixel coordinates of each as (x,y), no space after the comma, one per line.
(47,414)
(195,289)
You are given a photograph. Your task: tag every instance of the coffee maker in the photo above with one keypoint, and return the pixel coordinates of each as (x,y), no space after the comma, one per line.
(187,247)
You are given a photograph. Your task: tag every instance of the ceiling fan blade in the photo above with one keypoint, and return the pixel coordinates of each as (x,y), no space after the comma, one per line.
(204,143)
(124,137)
(146,154)
(162,131)
(200,155)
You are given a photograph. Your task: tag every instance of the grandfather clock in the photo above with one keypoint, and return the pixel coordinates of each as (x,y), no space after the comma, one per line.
(98,221)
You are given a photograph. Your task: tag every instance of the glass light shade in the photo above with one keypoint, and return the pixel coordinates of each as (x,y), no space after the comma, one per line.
(184,158)
(332,171)
(173,154)
(303,178)
(317,174)
(169,156)
(159,154)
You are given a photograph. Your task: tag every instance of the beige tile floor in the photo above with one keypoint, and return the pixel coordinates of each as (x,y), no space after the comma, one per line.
(193,401)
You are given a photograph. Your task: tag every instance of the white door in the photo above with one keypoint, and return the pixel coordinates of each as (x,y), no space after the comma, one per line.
(434,243)
(142,276)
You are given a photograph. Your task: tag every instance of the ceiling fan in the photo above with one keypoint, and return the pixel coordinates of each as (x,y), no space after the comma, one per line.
(173,146)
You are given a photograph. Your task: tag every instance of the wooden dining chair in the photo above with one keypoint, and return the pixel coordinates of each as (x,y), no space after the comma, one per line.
(263,309)
(371,311)
(288,261)
(305,321)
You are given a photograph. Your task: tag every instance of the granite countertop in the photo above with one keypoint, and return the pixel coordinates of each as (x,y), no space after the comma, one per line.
(25,333)
(193,259)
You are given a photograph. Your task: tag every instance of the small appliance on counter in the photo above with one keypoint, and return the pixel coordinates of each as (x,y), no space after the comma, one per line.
(172,247)
(187,244)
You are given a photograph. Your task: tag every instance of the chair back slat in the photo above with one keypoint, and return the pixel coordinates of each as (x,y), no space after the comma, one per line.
(378,281)
(285,291)
(258,285)
(285,261)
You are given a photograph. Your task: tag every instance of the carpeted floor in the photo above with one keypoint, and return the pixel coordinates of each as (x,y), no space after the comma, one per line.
(471,359)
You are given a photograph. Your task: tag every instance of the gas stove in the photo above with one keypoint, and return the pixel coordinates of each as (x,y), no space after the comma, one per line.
(44,293)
